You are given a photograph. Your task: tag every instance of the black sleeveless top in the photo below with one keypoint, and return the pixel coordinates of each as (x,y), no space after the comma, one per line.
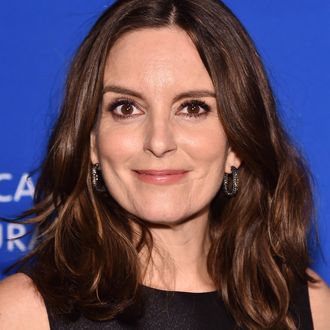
(171,310)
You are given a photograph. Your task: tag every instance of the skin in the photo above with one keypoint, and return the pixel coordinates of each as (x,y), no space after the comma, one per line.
(165,63)
(160,135)
(159,130)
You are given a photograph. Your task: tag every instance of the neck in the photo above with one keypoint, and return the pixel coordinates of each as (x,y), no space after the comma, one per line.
(179,257)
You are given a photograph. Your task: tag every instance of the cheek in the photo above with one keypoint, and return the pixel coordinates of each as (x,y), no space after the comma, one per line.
(116,145)
(116,148)
(209,146)
(210,150)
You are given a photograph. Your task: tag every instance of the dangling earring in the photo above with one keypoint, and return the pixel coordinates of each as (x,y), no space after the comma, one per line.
(97,178)
(234,188)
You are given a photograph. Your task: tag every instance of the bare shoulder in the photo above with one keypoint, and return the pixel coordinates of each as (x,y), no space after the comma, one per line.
(21,305)
(319,295)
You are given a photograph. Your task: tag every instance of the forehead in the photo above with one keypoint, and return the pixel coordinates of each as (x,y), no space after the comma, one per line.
(157,57)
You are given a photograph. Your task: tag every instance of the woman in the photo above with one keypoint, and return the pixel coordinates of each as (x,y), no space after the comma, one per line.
(170,196)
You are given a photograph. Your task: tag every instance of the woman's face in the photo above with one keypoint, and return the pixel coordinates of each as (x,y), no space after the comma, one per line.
(159,141)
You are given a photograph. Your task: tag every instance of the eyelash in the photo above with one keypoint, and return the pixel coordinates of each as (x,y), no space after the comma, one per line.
(128,101)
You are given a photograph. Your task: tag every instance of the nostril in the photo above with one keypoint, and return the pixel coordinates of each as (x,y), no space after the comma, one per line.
(160,140)
(160,143)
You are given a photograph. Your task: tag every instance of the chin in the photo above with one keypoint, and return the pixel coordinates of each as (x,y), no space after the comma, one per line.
(166,218)
(162,220)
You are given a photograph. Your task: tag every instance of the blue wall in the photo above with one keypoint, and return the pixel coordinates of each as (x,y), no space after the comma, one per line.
(38,39)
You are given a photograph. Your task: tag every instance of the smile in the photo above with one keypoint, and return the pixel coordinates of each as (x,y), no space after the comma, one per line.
(160,176)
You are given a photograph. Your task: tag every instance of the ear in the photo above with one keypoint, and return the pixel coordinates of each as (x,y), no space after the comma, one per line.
(232,160)
(93,150)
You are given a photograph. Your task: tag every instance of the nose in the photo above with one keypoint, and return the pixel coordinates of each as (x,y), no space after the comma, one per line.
(159,137)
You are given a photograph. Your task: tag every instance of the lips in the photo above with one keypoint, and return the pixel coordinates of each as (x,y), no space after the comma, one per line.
(160,172)
(165,176)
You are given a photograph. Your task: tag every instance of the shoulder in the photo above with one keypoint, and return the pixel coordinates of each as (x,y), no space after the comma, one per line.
(21,305)
(319,296)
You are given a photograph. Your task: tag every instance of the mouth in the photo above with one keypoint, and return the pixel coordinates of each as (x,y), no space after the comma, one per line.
(165,176)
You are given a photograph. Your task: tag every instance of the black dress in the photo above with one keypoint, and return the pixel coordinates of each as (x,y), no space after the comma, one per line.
(170,310)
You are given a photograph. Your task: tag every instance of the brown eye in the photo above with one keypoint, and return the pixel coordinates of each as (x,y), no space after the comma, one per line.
(124,109)
(193,108)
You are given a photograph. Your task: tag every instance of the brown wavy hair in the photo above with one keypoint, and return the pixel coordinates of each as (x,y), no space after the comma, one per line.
(85,260)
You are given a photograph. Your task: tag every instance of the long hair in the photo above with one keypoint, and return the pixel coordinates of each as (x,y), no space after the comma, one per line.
(85,260)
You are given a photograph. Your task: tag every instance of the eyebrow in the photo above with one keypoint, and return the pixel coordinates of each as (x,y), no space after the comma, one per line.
(191,93)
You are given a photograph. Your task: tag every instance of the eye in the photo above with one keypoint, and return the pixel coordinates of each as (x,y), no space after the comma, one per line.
(124,109)
(194,108)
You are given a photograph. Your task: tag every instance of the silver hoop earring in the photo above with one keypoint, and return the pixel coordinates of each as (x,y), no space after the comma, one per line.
(235,181)
(97,178)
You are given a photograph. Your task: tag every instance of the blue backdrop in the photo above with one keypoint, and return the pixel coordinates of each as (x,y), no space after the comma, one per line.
(37,42)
